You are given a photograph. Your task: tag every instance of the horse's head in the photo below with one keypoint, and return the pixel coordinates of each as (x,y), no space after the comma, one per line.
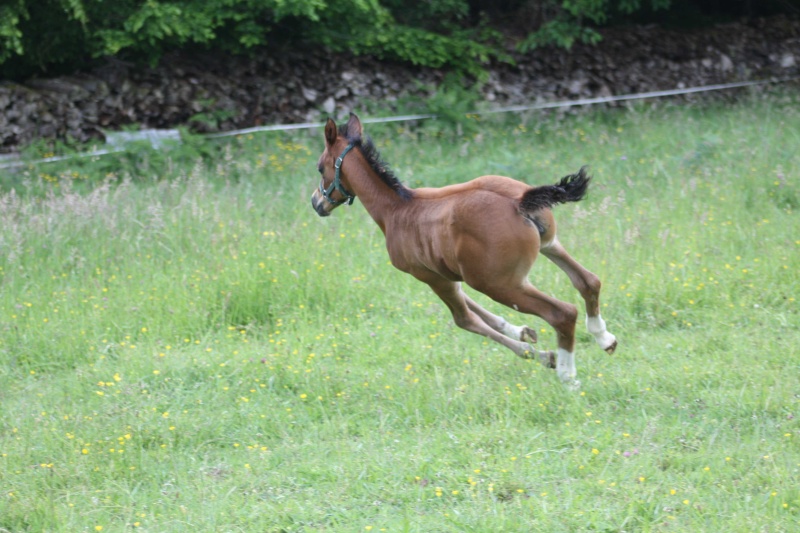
(334,189)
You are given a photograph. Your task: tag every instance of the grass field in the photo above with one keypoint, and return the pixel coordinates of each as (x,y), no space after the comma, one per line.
(188,347)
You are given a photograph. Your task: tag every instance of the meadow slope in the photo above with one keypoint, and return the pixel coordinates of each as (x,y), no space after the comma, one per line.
(187,346)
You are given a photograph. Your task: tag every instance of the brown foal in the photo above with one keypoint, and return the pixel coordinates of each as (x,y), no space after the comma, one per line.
(486,232)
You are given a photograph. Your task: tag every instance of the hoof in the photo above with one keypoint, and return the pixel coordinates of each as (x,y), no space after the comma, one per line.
(528,353)
(613,346)
(528,335)
(548,359)
(573,385)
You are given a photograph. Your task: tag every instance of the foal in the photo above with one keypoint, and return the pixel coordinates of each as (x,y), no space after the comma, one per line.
(486,232)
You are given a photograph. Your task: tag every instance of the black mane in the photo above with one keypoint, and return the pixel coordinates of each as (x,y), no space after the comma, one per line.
(381,168)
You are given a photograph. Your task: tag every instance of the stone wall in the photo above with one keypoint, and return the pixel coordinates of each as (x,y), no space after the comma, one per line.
(217,93)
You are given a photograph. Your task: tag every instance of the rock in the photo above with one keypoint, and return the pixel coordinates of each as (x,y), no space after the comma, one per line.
(329,105)
(604,91)
(309,94)
(725,63)
(47,130)
(787,60)
(576,86)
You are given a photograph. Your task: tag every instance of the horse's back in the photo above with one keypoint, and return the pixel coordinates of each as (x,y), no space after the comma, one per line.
(501,185)
(486,207)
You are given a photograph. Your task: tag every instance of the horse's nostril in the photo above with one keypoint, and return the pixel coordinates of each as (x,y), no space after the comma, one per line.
(318,207)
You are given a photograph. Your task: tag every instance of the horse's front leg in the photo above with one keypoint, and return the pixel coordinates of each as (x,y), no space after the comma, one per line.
(500,324)
(561,315)
(471,318)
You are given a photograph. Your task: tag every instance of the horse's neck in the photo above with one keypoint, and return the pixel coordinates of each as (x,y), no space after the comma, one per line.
(378,198)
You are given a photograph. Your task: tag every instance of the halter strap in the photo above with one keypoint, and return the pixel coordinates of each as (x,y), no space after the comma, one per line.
(337,182)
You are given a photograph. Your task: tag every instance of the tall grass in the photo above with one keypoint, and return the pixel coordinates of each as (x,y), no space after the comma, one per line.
(186,345)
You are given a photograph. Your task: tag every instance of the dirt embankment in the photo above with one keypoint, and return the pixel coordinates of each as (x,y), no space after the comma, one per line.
(216,93)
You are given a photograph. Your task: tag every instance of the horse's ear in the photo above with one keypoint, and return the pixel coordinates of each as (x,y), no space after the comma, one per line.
(354,128)
(330,132)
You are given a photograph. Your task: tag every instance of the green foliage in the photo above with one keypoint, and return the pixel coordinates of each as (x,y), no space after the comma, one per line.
(459,52)
(571,18)
(40,38)
(48,35)
(139,29)
(453,103)
(559,32)
(10,33)
(430,14)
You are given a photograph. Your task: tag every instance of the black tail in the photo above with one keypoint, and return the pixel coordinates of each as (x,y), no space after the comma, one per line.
(571,188)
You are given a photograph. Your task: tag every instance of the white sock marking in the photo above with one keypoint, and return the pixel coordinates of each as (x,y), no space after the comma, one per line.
(597,327)
(565,365)
(565,368)
(512,331)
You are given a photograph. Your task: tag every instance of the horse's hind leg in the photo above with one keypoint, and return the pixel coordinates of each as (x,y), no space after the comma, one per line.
(588,285)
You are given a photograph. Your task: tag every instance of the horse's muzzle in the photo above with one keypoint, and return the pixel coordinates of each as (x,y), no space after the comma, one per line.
(318,206)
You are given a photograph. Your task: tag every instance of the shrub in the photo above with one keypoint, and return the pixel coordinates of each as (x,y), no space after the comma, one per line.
(48,36)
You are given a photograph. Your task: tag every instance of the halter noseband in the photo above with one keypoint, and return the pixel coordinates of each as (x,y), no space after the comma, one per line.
(337,183)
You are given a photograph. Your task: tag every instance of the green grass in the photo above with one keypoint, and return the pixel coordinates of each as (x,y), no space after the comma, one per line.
(187,346)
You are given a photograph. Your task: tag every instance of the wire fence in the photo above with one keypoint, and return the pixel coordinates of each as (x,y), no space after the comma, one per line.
(156,137)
